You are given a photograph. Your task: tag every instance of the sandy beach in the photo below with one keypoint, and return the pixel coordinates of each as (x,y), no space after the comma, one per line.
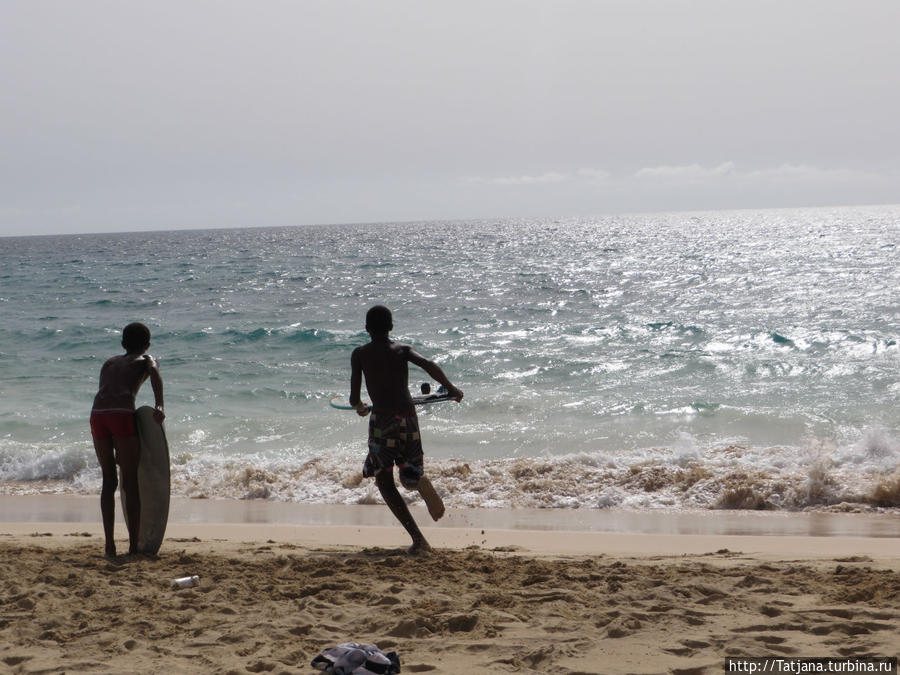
(273,594)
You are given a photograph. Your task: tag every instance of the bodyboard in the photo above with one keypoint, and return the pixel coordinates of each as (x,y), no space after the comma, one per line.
(153,481)
(341,403)
(433,398)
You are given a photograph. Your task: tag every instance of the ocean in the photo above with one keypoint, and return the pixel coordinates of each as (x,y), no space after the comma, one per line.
(736,360)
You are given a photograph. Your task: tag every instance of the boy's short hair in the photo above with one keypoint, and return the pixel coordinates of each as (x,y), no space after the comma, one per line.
(379,319)
(135,337)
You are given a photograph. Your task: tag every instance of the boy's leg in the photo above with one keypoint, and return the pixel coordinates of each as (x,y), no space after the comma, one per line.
(384,479)
(128,452)
(106,456)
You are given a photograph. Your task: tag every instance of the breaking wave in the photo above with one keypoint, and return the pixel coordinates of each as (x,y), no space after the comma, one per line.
(819,476)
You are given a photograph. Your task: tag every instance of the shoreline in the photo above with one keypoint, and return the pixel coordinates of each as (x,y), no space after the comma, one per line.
(529,531)
(72,508)
(881,552)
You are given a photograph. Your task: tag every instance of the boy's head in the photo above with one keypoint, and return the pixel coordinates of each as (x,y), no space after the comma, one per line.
(135,338)
(379,320)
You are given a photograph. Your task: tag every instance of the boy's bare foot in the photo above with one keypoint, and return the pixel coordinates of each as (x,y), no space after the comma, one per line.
(140,555)
(431,498)
(421,547)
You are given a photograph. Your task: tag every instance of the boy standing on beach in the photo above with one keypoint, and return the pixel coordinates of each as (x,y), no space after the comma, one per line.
(393,425)
(113,429)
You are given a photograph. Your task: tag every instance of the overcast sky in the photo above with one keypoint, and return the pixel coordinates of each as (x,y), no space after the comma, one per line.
(118,115)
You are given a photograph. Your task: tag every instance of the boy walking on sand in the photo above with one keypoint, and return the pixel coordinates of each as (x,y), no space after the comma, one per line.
(113,430)
(393,425)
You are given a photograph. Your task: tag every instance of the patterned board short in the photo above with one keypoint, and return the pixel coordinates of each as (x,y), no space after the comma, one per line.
(394,439)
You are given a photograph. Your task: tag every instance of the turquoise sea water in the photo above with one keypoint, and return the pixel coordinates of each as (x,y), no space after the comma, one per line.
(736,359)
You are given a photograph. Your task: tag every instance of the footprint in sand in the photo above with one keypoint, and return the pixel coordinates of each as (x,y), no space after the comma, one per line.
(15,660)
(622,627)
(462,623)
(411,628)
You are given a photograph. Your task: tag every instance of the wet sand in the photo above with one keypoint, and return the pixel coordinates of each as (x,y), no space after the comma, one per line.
(85,509)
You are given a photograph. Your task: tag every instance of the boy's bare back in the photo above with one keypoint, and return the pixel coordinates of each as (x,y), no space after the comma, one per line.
(384,365)
(120,379)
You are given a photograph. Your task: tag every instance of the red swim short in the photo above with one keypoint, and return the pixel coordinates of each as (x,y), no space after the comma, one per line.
(112,424)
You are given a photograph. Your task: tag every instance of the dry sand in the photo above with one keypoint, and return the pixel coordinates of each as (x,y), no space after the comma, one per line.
(271,597)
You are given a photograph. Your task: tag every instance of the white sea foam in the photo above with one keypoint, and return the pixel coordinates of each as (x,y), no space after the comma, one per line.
(818,475)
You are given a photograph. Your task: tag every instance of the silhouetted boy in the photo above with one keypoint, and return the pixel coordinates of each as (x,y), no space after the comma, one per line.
(393,426)
(113,429)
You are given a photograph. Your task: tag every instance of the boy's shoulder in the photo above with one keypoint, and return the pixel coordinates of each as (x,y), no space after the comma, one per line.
(130,358)
(392,346)
(118,358)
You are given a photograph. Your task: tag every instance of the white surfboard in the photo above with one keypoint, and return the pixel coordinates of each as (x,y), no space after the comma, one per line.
(341,403)
(153,481)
